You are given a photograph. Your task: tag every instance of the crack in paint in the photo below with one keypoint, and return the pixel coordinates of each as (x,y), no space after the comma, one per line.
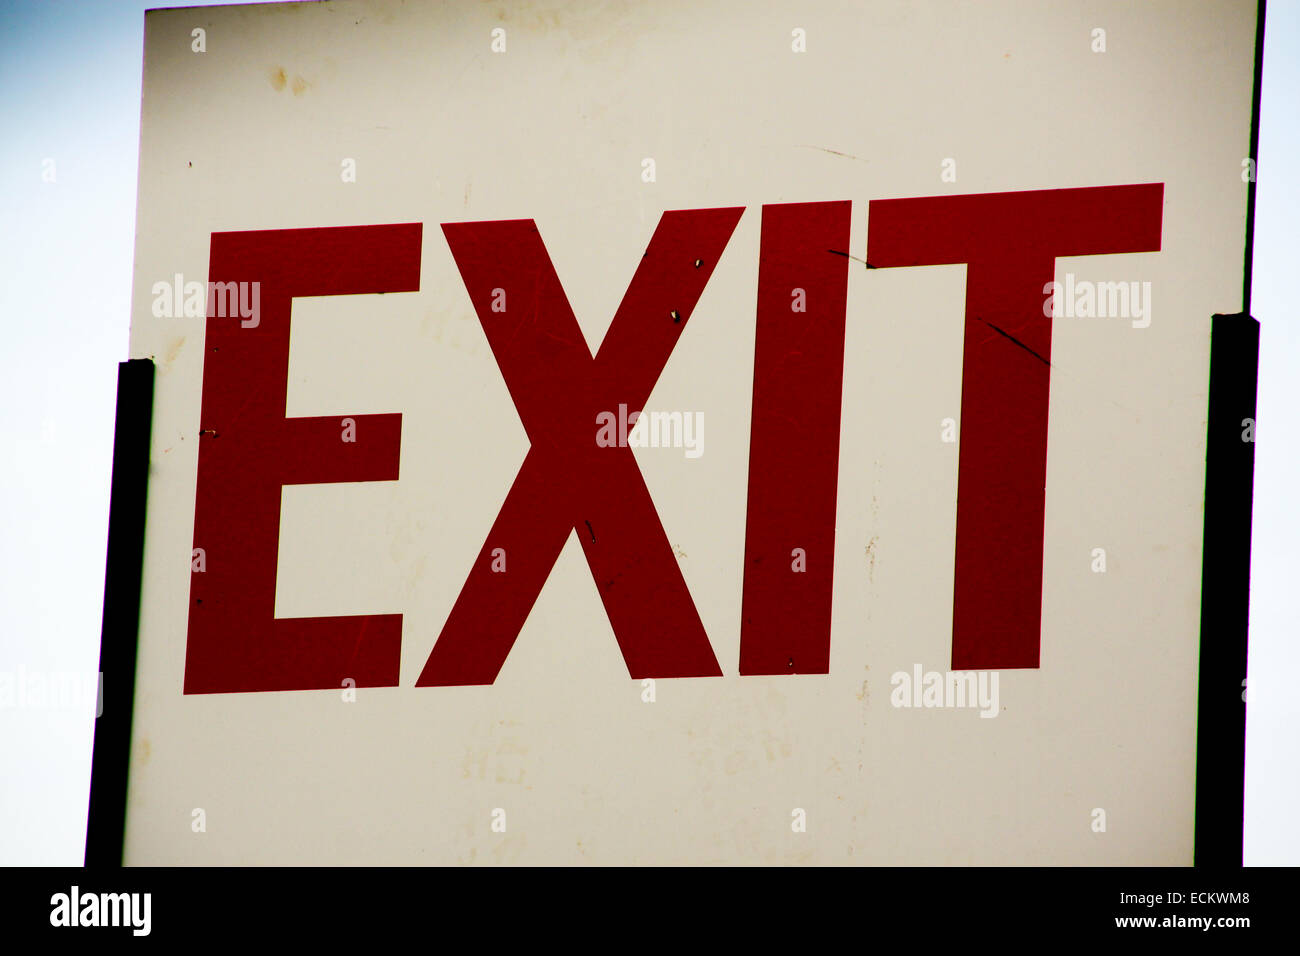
(837,252)
(1008,335)
(834,152)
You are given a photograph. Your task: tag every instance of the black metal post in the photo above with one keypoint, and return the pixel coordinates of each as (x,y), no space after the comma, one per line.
(1225,591)
(126,518)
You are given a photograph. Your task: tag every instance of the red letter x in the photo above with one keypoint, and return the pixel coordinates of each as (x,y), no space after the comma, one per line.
(567,481)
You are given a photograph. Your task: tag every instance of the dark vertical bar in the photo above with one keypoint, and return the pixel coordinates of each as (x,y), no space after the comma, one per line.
(1225,591)
(1254,155)
(126,515)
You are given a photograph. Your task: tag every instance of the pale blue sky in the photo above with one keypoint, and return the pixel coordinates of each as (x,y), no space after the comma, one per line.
(70,91)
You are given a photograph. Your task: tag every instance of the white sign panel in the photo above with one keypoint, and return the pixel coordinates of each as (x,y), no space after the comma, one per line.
(680,432)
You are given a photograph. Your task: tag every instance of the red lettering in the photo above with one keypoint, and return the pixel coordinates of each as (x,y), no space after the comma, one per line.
(567,482)
(794,444)
(1009,243)
(248,451)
